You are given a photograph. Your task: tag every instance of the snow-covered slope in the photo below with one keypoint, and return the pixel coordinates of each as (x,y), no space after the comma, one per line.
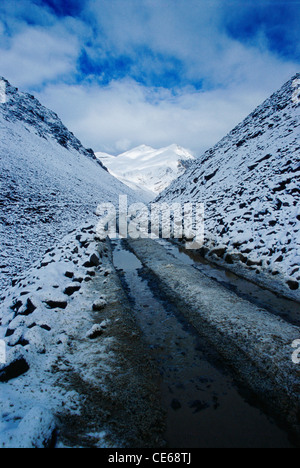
(147,169)
(249,183)
(103,157)
(49,182)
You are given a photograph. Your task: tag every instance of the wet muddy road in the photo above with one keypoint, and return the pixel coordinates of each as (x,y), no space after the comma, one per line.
(205,406)
(287,309)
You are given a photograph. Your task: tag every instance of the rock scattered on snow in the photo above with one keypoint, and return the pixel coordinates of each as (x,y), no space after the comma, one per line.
(56,303)
(95,259)
(100,304)
(16,364)
(71,289)
(249,183)
(97,330)
(38,318)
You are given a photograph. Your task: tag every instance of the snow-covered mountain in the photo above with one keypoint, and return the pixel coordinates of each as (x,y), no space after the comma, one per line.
(49,182)
(148,170)
(249,183)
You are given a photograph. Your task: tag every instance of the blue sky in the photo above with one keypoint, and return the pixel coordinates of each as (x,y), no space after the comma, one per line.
(125,72)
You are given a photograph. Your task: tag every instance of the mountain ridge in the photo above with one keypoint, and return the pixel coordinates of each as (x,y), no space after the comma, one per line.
(49,182)
(249,183)
(26,108)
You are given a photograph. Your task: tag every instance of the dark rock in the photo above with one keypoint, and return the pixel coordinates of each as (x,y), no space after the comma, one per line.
(240,143)
(88,228)
(95,332)
(56,304)
(210,176)
(279,259)
(29,308)
(293,285)
(228,259)
(95,259)
(91,273)
(220,252)
(99,305)
(45,327)
(22,342)
(253,262)
(69,274)
(70,290)
(15,368)
(78,280)
(16,306)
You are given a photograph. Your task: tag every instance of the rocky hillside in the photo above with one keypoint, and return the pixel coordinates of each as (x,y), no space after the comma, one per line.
(249,183)
(49,182)
(24,107)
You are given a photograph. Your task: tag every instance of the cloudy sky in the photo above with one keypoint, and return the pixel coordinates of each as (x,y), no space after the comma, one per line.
(121,73)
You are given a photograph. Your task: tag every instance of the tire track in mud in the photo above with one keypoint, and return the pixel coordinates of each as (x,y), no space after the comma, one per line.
(205,408)
(285,308)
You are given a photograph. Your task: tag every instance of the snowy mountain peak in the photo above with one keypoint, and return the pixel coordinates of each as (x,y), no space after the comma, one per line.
(180,151)
(137,152)
(148,170)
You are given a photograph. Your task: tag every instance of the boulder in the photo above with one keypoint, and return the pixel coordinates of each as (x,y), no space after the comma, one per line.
(16,364)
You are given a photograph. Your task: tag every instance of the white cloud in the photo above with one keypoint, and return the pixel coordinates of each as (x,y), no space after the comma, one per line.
(42,49)
(125,114)
(34,56)
(237,77)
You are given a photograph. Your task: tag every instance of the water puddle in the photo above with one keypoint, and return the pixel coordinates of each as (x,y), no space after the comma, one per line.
(205,409)
(287,309)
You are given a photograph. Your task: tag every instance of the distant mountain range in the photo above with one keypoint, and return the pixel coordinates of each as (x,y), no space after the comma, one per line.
(147,170)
